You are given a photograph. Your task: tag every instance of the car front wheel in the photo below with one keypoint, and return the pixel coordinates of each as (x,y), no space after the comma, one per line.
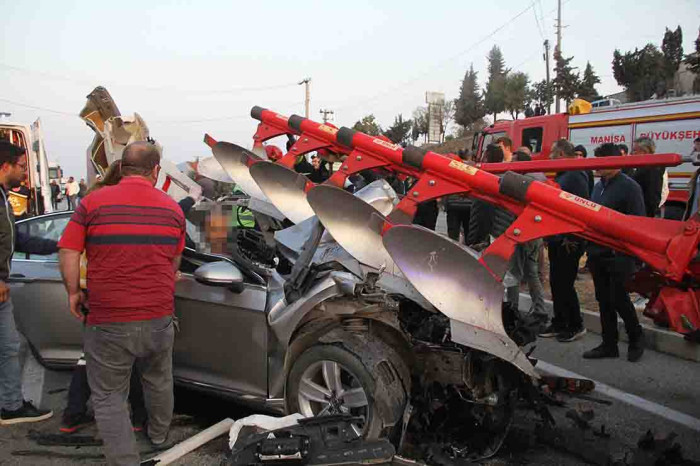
(331,379)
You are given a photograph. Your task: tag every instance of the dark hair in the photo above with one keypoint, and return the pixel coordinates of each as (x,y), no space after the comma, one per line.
(521,156)
(493,154)
(506,141)
(581,148)
(9,153)
(623,147)
(564,147)
(697,140)
(112,176)
(139,158)
(607,150)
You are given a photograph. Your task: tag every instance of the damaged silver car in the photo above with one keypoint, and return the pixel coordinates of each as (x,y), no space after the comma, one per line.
(317,317)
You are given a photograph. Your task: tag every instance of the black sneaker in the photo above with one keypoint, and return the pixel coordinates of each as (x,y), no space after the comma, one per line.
(71,423)
(27,413)
(550,331)
(158,442)
(602,351)
(571,335)
(635,350)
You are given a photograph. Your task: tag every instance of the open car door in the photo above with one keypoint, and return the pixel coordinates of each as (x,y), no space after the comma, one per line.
(40,300)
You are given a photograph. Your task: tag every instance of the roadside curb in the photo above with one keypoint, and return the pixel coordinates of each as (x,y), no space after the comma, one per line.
(657,339)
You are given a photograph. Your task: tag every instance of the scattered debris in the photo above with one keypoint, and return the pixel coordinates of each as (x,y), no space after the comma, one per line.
(327,440)
(65,440)
(192,443)
(657,450)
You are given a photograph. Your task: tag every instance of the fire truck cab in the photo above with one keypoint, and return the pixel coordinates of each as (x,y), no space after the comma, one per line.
(673,124)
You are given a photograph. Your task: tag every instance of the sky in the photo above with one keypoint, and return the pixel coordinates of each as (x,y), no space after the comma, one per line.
(190,68)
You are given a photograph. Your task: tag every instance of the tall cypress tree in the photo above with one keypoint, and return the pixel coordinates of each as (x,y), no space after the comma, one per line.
(494,98)
(469,106)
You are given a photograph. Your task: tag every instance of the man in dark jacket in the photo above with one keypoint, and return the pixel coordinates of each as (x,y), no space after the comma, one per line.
(565,251)
(487,219)
(611,269)
(650,179)
(14,410)
(55,192)
(581,152)
(457,209)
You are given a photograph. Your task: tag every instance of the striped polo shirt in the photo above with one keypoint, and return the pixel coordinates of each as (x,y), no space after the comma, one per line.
(131,233)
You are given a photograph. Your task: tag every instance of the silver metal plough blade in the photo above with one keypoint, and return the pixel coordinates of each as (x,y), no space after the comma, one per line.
(212,169)
(451,277)
(236,160)
(354,224)
(284,188)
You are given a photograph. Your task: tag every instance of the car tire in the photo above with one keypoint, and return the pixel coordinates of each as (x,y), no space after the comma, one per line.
(359,369)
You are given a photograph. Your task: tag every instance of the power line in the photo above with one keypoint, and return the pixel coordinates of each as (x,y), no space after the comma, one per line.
(242,116)
(443,62)
(35,107)
(537,21)
(58,77)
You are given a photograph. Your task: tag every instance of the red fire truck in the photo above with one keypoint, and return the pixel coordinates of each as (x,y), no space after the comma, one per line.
(672,123)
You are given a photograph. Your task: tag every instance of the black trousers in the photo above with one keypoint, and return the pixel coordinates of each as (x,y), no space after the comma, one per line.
(457,218)
(79,394)
(427,214)
(563,270)
(609,277)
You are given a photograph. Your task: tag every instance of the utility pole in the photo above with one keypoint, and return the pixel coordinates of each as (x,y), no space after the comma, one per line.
(546,59)
(325,114)
(557,50)
(307,101)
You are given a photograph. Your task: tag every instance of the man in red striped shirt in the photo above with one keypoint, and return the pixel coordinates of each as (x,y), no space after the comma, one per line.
(133,235)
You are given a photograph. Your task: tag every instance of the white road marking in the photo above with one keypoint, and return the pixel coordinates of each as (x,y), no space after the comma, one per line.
(634,400)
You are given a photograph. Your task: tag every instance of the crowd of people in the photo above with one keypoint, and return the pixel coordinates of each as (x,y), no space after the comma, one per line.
(128,230)
(641,191)
(73,192)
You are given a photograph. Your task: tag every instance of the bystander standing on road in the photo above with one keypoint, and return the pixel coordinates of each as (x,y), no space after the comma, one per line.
(611,269)
(133,235)
(14,409)
(581,153)
(524,264)
(624,150)
(457,209)
(72,190)
(565,252)
(652,180)
(55,193)
(82,189)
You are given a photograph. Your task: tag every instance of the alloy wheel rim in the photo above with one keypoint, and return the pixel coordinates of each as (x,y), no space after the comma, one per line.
(327,388)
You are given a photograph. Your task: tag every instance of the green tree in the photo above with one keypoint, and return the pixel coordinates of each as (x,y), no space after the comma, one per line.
(494,98)
(672,48)
(586,89)
(543,94)
(516,94)
(469,106)
(400,131)
(419,127)
(447,115)
(565,82)
(368,125)
(642,72)
(693,62)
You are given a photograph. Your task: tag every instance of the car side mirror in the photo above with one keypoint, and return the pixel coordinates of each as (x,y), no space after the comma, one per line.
(219,273)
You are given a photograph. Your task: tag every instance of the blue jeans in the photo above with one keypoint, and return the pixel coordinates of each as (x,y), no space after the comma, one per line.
(10,376)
